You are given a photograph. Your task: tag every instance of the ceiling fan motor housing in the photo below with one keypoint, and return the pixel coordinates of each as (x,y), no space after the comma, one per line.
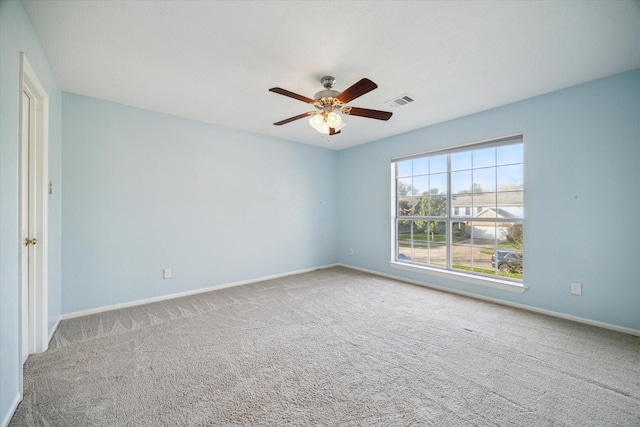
(326,94)
(328,82)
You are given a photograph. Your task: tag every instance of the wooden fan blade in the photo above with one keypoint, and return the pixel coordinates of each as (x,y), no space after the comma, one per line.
(371,114)
(356,90)
(332,131)
(291,95)
(294,118)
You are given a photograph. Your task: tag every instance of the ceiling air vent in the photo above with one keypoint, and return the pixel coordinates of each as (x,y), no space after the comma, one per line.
(400,101)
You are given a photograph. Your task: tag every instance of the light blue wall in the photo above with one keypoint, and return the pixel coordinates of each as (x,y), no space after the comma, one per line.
(17,35)
(144,191)
(582,180)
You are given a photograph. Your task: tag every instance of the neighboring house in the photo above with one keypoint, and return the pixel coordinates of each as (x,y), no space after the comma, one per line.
(482,205)
(503,204)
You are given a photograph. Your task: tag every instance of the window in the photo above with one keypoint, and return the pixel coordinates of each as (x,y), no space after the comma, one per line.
(462,209)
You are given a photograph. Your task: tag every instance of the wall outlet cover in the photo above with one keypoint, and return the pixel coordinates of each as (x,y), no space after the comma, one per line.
(576,288)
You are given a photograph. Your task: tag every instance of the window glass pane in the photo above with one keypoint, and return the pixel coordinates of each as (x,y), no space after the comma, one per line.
(483,247)
(420,185)
(438,206)
(461,203)
(404,229)
(438,184)
(512,236)
(484,157)
(420,232)
(461,160)
(438,254)
(405,206)
(422,206)
(404,168)
(404,251)
(421,255)
(430,243)
(459,232)
(405,186)
(510,154)
(421,166)
(508,254)
(461,257)
(483,233)
(484,180)
(461,182)
(431,206)
(510,204)
(438,164)
(420,243)
(403,236)
(510,177)
(437,232)
(484,204)
(508,263)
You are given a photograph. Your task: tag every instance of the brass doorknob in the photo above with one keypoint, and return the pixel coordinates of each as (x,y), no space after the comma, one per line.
(29,241)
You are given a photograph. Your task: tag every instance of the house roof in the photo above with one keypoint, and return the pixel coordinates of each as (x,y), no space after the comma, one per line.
(506,199)
(489,199)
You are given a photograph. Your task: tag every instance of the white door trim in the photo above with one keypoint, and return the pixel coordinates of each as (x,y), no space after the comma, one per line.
(34,292)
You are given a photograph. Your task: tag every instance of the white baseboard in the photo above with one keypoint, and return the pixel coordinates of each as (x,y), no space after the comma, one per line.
(578,319)
(187,293)
(53,330)
(12,409)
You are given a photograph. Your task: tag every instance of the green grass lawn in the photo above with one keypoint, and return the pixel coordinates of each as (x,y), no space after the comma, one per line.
(438,238)
(488,271)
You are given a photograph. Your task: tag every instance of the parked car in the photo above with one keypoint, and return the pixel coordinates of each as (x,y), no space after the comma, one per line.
(507,260)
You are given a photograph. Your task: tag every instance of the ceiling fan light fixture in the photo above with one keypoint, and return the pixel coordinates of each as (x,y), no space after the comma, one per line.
(333,120)
(324,122)
(316,122)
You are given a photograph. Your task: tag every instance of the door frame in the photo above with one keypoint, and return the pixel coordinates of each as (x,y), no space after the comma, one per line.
(34,298)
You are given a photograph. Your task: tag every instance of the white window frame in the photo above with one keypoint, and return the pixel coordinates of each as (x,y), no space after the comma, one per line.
(470,278)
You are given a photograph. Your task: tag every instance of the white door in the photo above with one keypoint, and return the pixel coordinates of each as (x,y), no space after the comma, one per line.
(33,214)
(29,229)
(27,340)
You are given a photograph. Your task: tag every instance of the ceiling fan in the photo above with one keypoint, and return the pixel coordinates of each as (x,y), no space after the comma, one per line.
(329,103)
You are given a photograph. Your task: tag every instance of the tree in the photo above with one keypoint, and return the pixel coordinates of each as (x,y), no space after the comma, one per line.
(404,208)
(514,263)
(475,188)
(405,189)
(514,236)
(430,204)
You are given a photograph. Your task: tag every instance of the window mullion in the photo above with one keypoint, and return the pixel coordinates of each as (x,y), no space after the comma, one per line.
(449,221)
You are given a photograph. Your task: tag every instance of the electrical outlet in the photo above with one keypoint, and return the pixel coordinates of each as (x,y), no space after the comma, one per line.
(576,288)
(350,251)
(166,273)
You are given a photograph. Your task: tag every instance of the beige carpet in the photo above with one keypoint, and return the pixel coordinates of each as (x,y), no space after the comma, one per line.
(331,347)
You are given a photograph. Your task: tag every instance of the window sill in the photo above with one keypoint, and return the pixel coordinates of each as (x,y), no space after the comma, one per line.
(488,282)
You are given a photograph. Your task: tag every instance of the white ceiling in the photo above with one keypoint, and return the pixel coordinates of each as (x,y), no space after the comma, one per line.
(214,61)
